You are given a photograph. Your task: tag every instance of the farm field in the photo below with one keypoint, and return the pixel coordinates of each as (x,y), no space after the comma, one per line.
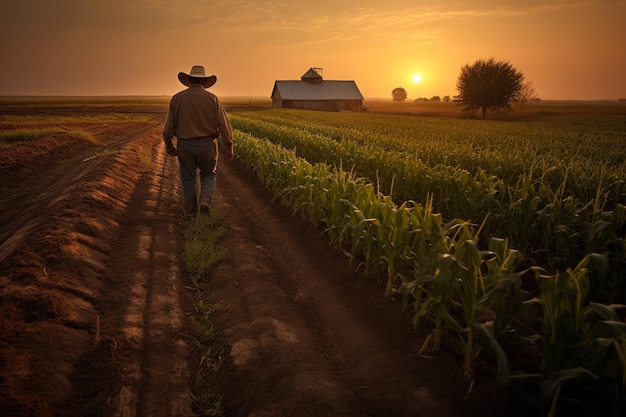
(316,300)
(96,303)
(508,235)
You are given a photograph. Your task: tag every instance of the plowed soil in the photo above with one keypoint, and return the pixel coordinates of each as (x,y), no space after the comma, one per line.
(95,301)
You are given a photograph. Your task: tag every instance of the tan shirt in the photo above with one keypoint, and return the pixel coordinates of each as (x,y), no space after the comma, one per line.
(195,113)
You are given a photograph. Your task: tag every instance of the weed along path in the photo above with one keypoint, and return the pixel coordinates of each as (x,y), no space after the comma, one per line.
(96,307)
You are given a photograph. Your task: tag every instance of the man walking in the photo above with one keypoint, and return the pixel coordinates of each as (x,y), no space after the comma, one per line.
(197,119)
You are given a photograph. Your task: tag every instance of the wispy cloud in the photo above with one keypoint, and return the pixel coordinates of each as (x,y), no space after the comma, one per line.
(300,23)
(268,15)
(303,25)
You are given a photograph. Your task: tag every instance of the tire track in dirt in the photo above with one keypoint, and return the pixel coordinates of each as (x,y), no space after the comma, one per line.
(155,381)
(143,337)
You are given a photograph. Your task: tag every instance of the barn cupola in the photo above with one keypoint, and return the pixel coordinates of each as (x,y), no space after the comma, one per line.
(313,76)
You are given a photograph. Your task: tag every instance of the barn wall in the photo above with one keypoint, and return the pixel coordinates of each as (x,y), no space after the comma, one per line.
(324,105)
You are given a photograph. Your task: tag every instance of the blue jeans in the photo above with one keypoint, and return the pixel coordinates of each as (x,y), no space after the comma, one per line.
(193,155)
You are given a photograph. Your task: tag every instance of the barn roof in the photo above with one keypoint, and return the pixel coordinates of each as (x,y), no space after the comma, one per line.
(326,90)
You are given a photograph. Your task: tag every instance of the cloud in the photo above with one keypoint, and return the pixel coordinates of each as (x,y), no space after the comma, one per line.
(302,24)
(325,19)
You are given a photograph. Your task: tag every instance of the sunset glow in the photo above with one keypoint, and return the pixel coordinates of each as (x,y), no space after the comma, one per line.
(416,78)
(568,49)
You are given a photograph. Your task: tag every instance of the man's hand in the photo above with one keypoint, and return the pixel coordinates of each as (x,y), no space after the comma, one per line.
(230,154)
(171,149)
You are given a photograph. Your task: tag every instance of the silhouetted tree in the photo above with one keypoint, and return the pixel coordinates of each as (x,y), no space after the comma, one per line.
(399,94)
(489,85)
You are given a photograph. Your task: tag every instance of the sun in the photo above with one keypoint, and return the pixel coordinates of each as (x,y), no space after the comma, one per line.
(417,78)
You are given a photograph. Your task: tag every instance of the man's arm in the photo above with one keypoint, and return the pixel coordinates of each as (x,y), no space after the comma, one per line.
(168,134)
(226,132)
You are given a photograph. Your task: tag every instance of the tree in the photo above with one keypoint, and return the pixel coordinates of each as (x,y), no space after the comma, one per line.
(399,94)
(489,85)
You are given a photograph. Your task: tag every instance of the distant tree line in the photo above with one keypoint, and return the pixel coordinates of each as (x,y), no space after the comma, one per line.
(486,85)
(434,99)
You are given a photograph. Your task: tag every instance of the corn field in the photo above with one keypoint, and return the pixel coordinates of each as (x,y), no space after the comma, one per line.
(501,234)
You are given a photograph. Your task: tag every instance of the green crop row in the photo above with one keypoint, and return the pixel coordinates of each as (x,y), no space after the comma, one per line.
(458,281)
(555,220)
(579,148)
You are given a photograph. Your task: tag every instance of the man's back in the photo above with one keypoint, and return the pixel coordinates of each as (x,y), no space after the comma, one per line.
(194,113)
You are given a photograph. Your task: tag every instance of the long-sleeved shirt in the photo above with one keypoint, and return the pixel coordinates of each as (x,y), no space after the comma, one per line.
(197,113)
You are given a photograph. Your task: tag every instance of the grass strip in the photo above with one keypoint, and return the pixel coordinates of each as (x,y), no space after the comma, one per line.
(11,137)
(26,135)
(201,254)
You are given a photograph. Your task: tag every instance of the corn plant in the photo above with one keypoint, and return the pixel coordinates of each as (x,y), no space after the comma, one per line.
(471,289)
(583,341)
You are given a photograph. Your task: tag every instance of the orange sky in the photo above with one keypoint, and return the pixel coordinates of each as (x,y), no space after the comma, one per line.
(568,49)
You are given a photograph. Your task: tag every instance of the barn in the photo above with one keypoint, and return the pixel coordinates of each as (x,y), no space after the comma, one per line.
(314,93)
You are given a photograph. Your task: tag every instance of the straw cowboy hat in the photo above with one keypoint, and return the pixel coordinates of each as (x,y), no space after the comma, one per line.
(197,71)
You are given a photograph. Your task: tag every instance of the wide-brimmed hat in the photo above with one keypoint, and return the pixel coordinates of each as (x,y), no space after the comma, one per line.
(197,71)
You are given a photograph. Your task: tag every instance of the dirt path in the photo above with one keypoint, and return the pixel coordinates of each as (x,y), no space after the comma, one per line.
(94,305)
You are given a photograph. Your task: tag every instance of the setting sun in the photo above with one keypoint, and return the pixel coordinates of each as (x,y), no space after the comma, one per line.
(417,78)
